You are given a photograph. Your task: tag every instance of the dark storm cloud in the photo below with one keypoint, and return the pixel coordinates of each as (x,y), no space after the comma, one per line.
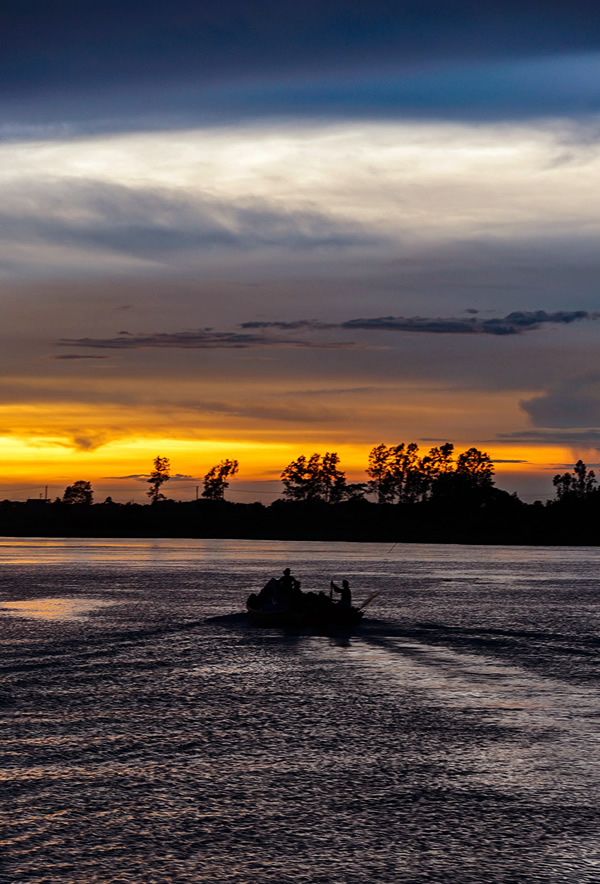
(153,223)
(514,323)
(115,65)
(571,403)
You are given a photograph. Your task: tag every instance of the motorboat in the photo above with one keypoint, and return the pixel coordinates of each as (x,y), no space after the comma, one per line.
(305,609)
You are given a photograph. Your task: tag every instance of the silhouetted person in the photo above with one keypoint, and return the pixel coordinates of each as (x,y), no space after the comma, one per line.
(286,587)
(287,581)
(345,594)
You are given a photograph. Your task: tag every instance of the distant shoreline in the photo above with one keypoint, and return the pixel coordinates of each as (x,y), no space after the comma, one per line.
(506,520)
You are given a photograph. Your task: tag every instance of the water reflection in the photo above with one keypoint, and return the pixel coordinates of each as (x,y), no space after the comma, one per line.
(453,738)
(54,608)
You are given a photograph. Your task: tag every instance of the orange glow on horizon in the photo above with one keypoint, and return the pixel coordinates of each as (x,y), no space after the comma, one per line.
(122,464)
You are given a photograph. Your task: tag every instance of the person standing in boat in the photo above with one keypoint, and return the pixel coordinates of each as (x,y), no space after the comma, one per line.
(345,594)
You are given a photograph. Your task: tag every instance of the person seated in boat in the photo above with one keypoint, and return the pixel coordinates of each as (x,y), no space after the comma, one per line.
(287,581)
(345,594)
(288,589)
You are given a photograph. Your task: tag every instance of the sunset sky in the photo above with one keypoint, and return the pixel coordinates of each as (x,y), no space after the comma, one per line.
(265,229)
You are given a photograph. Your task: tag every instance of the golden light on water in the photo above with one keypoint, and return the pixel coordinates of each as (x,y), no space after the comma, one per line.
(53,608)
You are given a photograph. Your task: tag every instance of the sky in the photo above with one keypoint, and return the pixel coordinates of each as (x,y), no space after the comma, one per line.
(268,229)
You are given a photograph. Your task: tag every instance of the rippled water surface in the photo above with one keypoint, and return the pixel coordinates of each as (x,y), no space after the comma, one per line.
(151,735)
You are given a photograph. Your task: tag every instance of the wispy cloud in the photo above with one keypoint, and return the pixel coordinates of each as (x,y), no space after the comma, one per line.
(155,223)
(210,339)
(77,356)
(294,325)
(514,323)
(80,440)
(201,339)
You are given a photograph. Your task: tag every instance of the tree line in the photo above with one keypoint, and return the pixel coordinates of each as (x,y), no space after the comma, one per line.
(434,496)
(396,474)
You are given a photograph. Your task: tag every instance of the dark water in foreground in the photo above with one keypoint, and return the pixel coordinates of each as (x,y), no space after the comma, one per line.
(151,735)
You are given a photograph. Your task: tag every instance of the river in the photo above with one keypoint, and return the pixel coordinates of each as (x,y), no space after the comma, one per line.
(150,734)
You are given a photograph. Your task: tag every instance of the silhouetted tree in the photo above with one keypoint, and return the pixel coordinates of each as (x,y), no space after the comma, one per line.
(410,481)
(395,473)
(332,479)
(215,481)
(477,467)
(578,484)
(379,472)
(299,478)
(158,476)
(78,492)
(435,464)
(318,478)
(440,458)
(470,483)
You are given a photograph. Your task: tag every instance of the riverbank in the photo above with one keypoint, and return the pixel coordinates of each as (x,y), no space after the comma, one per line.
(503,520)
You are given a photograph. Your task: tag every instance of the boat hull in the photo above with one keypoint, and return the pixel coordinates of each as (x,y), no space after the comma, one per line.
(335,617)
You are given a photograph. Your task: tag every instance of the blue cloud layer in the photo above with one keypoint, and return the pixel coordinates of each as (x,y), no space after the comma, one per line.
(133,65)
(66,43)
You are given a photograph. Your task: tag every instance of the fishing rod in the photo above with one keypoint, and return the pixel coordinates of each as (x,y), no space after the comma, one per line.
(369,599)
